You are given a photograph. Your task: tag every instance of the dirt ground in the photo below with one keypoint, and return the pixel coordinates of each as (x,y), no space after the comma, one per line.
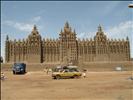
(40,86)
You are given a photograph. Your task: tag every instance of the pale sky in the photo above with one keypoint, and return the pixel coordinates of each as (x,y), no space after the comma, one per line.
(18,18)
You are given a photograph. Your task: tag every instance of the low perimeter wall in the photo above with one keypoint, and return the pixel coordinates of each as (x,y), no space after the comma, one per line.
(97,66)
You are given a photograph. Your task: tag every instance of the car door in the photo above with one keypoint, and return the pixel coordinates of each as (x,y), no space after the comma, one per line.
(64,73)
(67,74)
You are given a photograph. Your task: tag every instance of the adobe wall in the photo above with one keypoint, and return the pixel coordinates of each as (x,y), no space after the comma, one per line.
(94,66)
(108,66)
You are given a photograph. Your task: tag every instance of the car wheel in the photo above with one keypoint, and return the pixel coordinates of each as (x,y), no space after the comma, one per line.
(76,76)
(14,72)
(54,77)
(23,72)
(58,77)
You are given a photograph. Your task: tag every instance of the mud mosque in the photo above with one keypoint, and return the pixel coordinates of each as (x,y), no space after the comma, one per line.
(66,48)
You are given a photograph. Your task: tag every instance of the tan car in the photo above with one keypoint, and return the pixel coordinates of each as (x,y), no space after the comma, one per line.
(66,73)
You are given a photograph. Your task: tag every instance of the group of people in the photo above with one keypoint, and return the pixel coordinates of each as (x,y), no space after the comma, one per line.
(47,70)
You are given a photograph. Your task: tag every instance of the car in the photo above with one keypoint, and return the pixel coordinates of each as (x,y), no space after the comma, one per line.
(19,68)
(66,72)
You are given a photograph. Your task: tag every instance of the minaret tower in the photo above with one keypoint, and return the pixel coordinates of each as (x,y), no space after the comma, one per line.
(101,45)
(34,46)
(68,45)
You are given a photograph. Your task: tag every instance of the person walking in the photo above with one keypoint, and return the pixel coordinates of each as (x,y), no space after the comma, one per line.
(84,73)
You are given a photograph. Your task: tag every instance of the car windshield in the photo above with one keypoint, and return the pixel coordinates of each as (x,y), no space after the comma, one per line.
(19,65)
(66,71)
(74,70)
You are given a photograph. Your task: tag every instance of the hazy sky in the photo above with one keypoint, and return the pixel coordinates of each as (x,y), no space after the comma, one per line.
(18,18)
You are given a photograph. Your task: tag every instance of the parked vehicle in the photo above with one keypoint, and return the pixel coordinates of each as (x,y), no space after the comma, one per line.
(19,68)
(66,72)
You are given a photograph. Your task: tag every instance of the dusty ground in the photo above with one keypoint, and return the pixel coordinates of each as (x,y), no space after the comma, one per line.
(39,86)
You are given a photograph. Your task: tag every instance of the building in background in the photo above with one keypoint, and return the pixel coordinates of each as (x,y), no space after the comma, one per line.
(67,48)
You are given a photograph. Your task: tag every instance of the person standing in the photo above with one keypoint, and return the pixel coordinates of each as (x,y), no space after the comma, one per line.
(84,73)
